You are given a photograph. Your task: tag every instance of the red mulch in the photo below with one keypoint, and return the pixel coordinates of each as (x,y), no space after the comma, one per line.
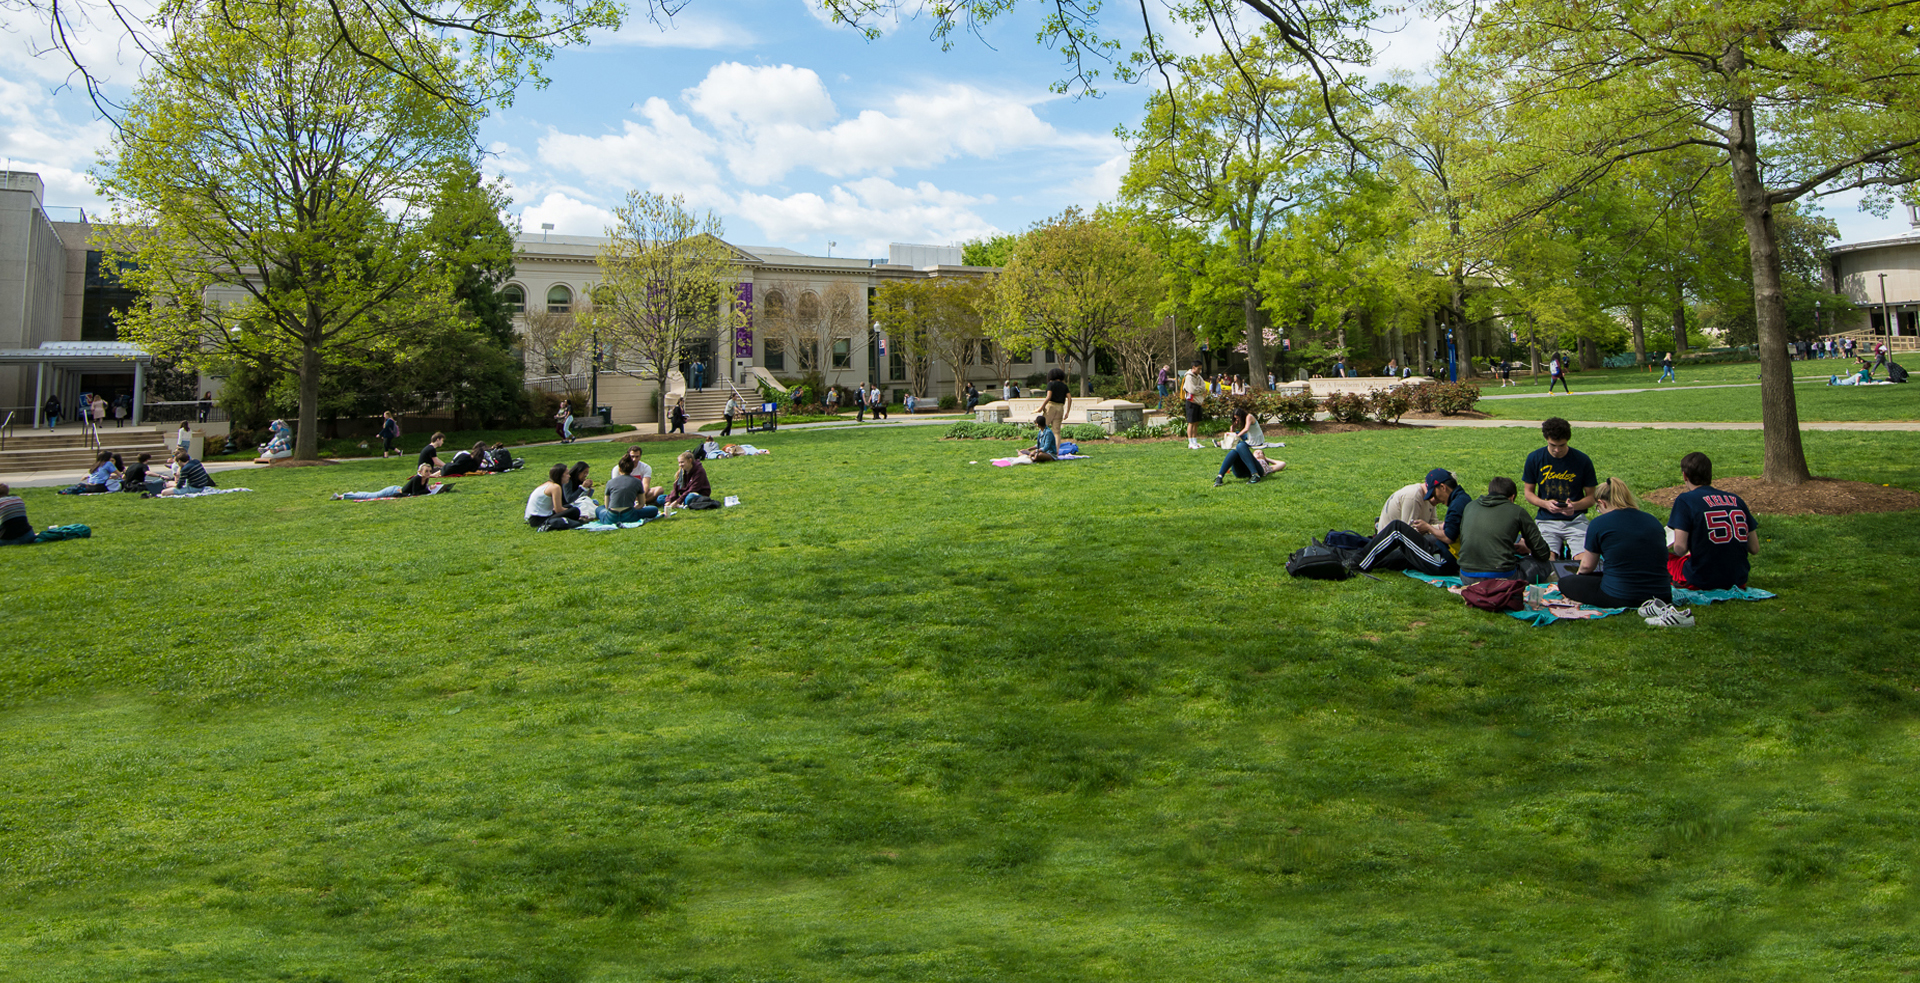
(1466,415)
(1821,496)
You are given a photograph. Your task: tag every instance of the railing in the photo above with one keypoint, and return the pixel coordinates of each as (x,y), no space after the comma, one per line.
(6,430)
(167,411)
(92,432)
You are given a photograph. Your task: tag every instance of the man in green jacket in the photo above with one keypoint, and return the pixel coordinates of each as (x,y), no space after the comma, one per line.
(1489,528)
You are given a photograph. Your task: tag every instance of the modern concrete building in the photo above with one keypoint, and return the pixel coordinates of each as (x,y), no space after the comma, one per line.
(1881,277)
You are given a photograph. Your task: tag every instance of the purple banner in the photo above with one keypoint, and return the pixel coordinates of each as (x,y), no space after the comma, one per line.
(743,329)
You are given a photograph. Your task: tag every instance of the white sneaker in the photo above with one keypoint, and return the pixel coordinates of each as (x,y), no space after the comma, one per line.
(1654,607)
(1673,618)
(1194,445)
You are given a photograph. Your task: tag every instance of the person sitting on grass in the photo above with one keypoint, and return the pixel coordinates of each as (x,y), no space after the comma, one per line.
(689,482)
(1630,550)
(137,477)
(15,530)
(1420,545)
(1489,527)
(577,491)
(1240,457)
(1712,532)
(1046,447)
(416,485)
(430,454)
(100,480)
(190,477)
(547,501)
(625,493)
(466,462)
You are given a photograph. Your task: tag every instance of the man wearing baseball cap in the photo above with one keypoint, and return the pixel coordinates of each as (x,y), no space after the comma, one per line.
(1421,545)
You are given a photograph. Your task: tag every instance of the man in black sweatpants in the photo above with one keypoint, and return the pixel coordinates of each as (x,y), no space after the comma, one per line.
(1420,545)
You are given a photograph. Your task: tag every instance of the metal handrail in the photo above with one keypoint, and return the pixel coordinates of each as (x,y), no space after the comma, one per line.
(6,430)
(92,432)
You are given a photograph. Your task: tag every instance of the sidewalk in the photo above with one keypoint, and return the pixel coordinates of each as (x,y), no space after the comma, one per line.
(69,476)
(1883,427)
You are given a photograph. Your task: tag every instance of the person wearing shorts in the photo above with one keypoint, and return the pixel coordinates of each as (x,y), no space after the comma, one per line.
(1193,394)
(1560,482)
(1058,400)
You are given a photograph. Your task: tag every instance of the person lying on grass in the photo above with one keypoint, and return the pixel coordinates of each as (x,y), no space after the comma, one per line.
(547,501)
(416,485)
(1240,457)
(1630,549)
(1045,446)
(689,482)
(465,462)
(1267,464)
(625,492)
(1712,532)
(15,530)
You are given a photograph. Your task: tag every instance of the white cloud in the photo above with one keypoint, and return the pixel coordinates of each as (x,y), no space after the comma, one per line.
(686,30)
(739,98)
(1101,184)
(873,211)
(665,153)
(507,158)
(570,216)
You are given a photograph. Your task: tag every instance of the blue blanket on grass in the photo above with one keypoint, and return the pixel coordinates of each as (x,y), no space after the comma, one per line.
(1683,597)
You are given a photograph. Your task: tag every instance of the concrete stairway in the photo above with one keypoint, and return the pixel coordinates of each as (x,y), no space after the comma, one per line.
(711,404)
(68,449)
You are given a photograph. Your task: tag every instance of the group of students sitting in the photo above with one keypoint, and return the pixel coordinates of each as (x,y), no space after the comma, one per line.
(1621,558)
(183,475)
(480,459)
(565,500)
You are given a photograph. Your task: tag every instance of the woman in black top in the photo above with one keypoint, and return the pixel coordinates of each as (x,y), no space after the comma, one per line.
(465,462)
(1058,401)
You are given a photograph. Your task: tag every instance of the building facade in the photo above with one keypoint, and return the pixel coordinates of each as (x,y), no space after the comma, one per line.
(1882,278)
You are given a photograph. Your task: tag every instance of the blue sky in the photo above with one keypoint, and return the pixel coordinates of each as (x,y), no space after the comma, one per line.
(796,132)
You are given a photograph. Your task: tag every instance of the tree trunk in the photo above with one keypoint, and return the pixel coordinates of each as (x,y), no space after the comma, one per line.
(1256,321)
(1637,314)
(1679,320)
(1431,353)
(1589,354)
(306,441)
(1785,457)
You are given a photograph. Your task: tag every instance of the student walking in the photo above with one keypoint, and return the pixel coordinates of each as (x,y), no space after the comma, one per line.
(1557,374)
(389,432)
(1666,368)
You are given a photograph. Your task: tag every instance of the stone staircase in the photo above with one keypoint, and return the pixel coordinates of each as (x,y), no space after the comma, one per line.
(711,404)
(68,449)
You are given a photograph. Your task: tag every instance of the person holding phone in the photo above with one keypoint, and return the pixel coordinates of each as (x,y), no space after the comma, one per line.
(1560,482)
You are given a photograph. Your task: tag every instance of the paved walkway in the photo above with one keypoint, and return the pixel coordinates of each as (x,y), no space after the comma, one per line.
(1898,425)
(50,479)
(1806,380)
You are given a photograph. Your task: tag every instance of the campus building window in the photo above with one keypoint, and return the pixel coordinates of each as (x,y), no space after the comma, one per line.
(515,299)
(843,353)
(986,352)
(559,300)
(776,356)
(896,368)
(1049,356)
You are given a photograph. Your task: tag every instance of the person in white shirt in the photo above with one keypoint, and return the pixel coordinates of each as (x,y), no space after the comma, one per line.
(1193,395)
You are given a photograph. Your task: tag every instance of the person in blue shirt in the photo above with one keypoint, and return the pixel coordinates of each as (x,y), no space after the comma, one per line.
(1629,548)
(1712,531)
(1559,482)
(1045,447)
(1420,545)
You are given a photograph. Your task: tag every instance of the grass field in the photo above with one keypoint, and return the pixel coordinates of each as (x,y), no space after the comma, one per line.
(1817,402)
(904,717)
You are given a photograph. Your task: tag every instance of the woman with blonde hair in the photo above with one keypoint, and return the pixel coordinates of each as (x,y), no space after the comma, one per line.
(1629,548)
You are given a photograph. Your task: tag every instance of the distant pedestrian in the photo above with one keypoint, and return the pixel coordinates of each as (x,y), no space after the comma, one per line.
(733,408)
(99,410)
(122,409)
(1557,375)
(860,404)
(183,440)
(699,375)
(1666,367)
(679,415)
(51,410)
(1166,374)
(389,432)
(206,405)
(563,421)
(1880,355)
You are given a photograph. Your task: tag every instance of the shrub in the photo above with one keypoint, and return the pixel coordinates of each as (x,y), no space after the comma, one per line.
(948,402)
(1082,432)
(1387,405)
(1422,397)
(1294,408)
(1455,397)
(989,431)
(1347,407)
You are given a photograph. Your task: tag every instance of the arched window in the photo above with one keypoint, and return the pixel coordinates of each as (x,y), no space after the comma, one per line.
(515,298)
(559,300)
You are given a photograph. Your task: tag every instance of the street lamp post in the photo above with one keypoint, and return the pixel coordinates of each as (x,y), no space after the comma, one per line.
(1886,315)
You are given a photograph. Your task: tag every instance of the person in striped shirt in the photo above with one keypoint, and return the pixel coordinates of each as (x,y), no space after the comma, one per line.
(14,527)
(193,476)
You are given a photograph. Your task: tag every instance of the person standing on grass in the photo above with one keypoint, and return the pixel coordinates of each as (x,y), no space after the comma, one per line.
(1193,398)
(1880,355)
(430,454)
(389,432)
(1557,373)
(1712,532)
(1560,482)
(1666,367)
(1058,401)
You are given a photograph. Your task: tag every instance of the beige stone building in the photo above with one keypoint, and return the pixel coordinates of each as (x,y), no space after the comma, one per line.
(1881,277)
(554,274)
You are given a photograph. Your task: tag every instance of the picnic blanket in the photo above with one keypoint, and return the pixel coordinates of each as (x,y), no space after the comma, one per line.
(1007,462)
(204,492)
(611,526)
(1558,608)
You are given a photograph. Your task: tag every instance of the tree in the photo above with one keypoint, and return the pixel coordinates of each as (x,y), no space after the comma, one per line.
(1231,150)
(806,323)
(956,310)
(555,342)
(669,281)
(267,165)
(1071,282)
(902,308)
(1806,100)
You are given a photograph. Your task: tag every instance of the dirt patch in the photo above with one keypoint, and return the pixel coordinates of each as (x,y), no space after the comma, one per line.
(1821,496)
(1463,415)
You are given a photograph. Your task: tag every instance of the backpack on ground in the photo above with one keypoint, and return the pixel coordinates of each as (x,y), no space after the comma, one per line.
(1345,539)
(1069,447)
(1495,595)
(1896,372)
(1318,562)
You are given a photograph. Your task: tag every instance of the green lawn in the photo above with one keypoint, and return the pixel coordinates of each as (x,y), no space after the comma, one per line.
(1817,402)
(903,717)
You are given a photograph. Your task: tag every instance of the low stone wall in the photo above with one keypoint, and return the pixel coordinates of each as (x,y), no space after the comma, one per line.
(1114,415)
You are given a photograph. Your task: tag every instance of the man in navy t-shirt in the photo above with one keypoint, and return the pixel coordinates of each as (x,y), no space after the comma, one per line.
(1560,483)
(1712,531)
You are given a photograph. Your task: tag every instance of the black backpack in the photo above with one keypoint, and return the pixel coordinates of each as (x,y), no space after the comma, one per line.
(1896,372)
(1319,562)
